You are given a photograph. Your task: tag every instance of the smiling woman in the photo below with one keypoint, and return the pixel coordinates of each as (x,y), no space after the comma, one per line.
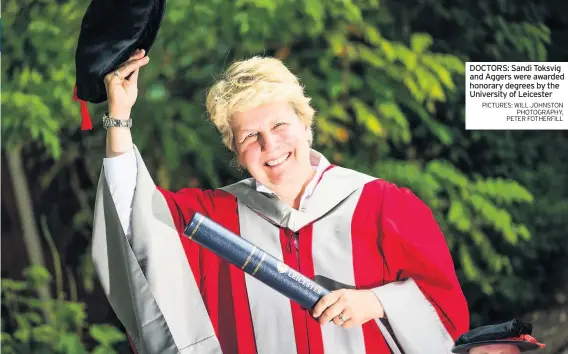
(377,246)
(274,146)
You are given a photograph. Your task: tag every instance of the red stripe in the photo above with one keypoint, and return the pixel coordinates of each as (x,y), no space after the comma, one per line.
(307,268)
(132,346)
(226,317)
(245,337)
(367,260)
(298,317)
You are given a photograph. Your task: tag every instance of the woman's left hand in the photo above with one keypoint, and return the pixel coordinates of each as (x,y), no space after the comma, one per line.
(355,307)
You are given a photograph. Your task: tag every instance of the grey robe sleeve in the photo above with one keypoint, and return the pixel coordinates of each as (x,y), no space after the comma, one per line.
(413,320)
(148,281)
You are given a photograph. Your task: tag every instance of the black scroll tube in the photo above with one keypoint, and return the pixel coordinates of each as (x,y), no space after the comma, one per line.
(254,261)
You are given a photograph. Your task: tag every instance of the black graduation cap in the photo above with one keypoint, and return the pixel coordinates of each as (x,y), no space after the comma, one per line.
(514,332)
(111,31)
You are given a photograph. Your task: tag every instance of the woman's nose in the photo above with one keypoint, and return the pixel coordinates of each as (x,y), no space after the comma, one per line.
(268,141)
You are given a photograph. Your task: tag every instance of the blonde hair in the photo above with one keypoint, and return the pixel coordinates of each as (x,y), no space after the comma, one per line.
(250,83)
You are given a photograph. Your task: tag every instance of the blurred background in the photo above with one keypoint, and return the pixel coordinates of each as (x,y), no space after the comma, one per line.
(387,80)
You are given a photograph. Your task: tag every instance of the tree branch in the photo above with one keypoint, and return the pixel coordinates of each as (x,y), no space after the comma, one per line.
(26,214)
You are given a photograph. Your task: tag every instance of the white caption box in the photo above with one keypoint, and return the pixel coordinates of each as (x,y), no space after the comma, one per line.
(516,96)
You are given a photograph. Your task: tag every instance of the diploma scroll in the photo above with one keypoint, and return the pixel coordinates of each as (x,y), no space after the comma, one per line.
(254,261)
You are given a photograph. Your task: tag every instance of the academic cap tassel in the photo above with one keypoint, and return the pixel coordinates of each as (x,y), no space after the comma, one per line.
(86,123)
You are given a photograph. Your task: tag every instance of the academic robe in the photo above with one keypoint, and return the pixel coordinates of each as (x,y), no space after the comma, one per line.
(356,231)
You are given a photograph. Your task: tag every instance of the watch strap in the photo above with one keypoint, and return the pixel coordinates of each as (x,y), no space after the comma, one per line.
(109,122)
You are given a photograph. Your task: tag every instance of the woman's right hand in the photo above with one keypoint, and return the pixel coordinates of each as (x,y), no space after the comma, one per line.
(122,92)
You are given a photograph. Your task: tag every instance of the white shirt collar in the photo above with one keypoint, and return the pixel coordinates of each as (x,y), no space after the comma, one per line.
(319,164)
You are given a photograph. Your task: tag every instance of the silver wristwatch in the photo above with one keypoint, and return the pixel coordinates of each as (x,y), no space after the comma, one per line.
(109,122)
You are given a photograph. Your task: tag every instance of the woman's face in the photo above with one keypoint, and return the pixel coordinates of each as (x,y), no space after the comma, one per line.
(273,145)
(496,349)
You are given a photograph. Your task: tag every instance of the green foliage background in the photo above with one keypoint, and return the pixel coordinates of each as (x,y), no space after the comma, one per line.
(387,81)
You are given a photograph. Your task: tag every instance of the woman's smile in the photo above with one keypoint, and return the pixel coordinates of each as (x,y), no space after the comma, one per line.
(278,161)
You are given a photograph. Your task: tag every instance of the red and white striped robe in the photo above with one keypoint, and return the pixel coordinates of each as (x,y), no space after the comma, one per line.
(174,296)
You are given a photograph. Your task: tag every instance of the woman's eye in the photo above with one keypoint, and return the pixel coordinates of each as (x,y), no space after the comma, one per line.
(279,124)
(251,135)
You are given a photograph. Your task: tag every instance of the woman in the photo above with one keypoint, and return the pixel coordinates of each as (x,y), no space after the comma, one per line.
(375,245)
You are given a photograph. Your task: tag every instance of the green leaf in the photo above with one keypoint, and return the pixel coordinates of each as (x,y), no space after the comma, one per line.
(372,34)
(438,68)
(44,333)
(367,117)
(337,111)
(445,171)
(506,191)
(13,285)
(72,313)
(470,269)
(70,343)
(24,331)
(8,345)
(104,350)
(523,232)
(459,216)
(106,334)
(337,42)
(37,276)
(371,57)
(420,42)
(33,318)
(315,10)
(389,50)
